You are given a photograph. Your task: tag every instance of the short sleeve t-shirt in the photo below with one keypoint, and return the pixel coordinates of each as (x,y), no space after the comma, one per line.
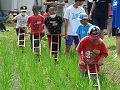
(91,52)
(72,14)
(21,20)
(36,23)
(54,25)
(101,8)
(48,6)
(116,13)
(82,30)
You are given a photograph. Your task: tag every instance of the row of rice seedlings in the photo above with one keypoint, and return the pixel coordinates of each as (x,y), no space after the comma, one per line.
(29,76)
(46,75)
(6,66)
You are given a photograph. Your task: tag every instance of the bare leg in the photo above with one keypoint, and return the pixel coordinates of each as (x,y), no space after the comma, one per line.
(101,34)
(118,45)
(67,49)
(109,27)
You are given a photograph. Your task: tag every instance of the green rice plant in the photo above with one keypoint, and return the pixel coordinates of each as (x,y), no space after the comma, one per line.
(23,71)
(6,67)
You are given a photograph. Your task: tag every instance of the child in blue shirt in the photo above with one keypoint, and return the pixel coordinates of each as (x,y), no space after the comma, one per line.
(84,26)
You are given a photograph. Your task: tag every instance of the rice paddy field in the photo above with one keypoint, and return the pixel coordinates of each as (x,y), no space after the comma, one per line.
(22,71)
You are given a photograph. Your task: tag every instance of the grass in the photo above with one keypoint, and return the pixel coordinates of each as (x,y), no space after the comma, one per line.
(22,71)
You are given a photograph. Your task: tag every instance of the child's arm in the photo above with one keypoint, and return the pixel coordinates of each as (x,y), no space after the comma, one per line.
(66,27)
(62,29)
(13,22)
(79,38)
(100,62)
(81,62)
(46,30)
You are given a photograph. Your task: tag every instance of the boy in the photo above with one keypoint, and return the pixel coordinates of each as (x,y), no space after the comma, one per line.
(91,50)
(21,23)
(49,3)
(71,24)
(84,26)
(35,23)
(54,25)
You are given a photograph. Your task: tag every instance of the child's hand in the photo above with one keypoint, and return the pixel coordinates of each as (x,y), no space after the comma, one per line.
(28,32)
(100,62)
(62,34)
(48,33)
(43,31)
(81,62)
(66,37)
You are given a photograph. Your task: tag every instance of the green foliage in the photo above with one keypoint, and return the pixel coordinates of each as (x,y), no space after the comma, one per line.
(23,71)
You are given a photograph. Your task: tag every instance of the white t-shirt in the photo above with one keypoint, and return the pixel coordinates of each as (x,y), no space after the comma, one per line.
(71,14)
(21,21)
(70,2)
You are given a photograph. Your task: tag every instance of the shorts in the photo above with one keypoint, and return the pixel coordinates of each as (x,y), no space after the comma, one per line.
(115,31)
(36,42)
(70,40)
(21,37)
(101,23)
(110,16)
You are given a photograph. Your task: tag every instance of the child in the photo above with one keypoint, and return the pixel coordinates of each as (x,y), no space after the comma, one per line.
(21,22)
(84,26)
(91,50)
(49,3)
(54,24)
(71,24)
(35,22)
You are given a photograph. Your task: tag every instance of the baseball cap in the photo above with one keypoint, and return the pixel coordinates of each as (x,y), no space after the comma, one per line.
(82,16)
(23,8)
(94,32)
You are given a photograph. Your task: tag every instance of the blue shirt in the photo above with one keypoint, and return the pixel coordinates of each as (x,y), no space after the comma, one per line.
(82,30)
(116,13)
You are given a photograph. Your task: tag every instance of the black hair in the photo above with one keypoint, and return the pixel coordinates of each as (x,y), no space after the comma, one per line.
(35,7)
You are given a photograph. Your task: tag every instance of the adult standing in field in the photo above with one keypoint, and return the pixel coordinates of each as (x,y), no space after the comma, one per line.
(101,9)
(109,24)
(89,6)
(116,24)
(49,3)
(71,23)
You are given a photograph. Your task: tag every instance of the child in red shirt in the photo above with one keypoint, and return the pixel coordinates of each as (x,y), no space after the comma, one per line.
(91,49)
(35,22)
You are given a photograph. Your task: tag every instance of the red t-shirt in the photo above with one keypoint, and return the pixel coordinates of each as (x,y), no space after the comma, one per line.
(36,23)
(91,53)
